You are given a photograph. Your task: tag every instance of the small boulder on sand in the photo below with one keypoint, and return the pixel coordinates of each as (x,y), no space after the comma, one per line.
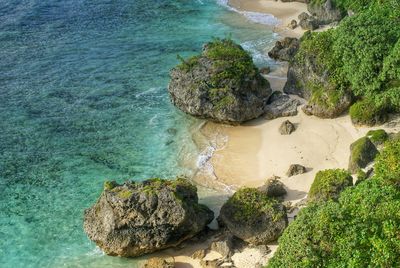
(287,128)
(273,187)
(296,169)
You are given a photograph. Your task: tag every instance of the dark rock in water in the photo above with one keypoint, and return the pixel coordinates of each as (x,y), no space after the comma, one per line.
(273,187)
(222,84)
(296,169)
(253,216)
(137,218)
(285,49)
(363,152)
(286,128)
(325,13)
(281,106)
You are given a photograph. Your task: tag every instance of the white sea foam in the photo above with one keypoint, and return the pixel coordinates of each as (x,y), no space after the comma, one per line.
(146,92)
(256,17)
(203,160)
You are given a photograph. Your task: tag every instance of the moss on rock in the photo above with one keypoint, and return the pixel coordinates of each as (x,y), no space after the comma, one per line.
(378,136)
(387,163)
(362,152)
(328,184)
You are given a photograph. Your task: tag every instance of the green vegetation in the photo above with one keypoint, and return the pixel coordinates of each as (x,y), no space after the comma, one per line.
(387,164)
(361,56)
(361,176)
(362,152)
(361,230)
(124,193)
(109,185)
(328,184)
(250,203)
(232,68)
(378,136)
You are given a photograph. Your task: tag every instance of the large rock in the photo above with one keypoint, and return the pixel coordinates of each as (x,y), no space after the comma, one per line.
(362,152)
(309,79)
(296,169)
(253,216)
(137,218)
(325,13)
(222,84)
(273,187)
(287,128)
(284,50)
(281,106)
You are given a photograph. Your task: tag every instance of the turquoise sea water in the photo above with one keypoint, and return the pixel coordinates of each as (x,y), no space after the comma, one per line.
(83,99)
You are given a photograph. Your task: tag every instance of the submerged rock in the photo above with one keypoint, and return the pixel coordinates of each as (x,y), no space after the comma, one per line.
(137,218)
(362,152)
(222,84)
(287,128)
(253,216)
(284,50)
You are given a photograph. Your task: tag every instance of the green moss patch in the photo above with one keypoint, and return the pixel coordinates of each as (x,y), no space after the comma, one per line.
(387,164)
(328,184)
(378,136)
(362,152)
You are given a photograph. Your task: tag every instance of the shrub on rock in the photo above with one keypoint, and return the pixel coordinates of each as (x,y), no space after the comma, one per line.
(387,164)
(366,112)
(378,136)
(253,216)
(362,152)
(328,184)
(137,218)
(222,84)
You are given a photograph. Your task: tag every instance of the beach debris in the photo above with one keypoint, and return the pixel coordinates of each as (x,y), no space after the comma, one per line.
(273,187)
(286,128)
(281,106)
(362,152)
(253,216)
(137,218)
(285,49)
(296,169)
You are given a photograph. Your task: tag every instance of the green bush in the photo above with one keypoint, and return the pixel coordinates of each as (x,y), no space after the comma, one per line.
(366,112)
(328,184)
(360,230)
(378,136)
(387,164)
(250,203)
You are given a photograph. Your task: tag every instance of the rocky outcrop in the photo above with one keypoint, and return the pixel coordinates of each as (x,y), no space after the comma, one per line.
(307,22)
(296,169)
(307,78)
(281,106)
(253,216)
(325,13)
(362,152)
(286,128)
(137,218)
(158,263)
(284,50)
(222,84)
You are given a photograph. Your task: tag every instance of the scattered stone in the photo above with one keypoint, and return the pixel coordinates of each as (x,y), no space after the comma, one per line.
(273,187)
(265,70)
(304,16)
(284,50)
(224,246)
(296,169)
(286,128)
(282,106)
(253,216)
(198,88)
(137,218)
(362,152)
(293,24)
(158,263)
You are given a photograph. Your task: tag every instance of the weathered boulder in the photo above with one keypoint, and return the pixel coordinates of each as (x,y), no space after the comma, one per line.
(224,246)
(253,216)
(222,84)
(309,24)
(137,218)
(281,106)
(296,169)
(284,50)
(286,128)
(273,187)
(325,13)
(158,263)
(323,110)
(362,152)
(293,24)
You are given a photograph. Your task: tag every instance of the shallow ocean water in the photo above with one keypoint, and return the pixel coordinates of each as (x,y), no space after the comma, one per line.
(83,99)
